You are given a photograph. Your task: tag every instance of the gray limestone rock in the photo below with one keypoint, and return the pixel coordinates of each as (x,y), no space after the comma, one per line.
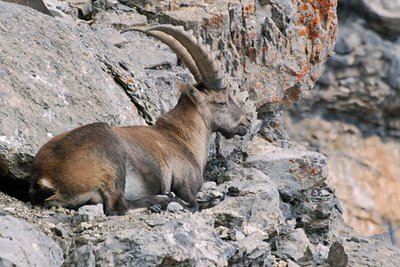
(22,244)
(254,207)
(184,239)
(291,169)
(293,245)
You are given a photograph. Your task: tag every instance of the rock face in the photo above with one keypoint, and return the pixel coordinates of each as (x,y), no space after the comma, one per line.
(353,118)
(267,202)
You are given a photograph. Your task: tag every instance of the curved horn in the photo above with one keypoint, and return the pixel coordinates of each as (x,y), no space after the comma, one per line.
(205,61)
(175,46)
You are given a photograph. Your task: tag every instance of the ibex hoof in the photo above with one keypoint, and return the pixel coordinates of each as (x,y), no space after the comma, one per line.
(155,208)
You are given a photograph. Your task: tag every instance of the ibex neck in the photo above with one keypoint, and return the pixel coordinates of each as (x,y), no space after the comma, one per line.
(191,130)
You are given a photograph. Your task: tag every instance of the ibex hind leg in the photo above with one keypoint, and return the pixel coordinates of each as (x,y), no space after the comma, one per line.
(188,195)
(113,201)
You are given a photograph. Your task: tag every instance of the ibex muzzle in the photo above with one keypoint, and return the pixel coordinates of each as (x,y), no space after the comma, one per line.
(137,166)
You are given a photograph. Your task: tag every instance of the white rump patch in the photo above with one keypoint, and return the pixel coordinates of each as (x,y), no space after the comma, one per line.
(45,183)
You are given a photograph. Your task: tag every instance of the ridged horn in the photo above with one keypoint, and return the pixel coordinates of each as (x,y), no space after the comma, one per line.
(209,68)
(175,46)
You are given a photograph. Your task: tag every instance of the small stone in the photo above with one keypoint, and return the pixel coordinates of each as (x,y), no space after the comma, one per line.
(337,255)
(83,226)
(51,225)
(10,210)
(209,185)
(294,244)
(60,209)
(91,211)
(223,232)
(236,235)
(216,194)
(156,222)
(174,207)
(324,193)
(249,230)
(239,235)
(83,239)
(223,178)
(321,253)
(59,230)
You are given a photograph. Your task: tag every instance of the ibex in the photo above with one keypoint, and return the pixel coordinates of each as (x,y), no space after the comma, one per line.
(137,166)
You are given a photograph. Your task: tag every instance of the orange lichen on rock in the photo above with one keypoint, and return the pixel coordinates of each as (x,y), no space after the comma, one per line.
(249,10)
(216,21)
(316,17)
(299,74)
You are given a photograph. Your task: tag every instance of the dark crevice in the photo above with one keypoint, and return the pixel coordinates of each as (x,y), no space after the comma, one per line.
(14,187)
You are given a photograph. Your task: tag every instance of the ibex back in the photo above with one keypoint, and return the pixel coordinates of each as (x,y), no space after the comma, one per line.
(137,166)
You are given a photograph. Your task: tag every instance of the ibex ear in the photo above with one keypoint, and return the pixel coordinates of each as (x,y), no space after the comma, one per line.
(181,86)
(195,95)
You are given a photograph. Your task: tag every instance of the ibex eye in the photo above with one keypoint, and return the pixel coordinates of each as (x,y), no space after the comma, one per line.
(222,104)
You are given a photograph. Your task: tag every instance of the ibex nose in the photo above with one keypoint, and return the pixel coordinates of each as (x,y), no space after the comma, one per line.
(245,125)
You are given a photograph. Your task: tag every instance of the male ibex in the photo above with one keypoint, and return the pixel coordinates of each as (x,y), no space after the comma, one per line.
(130,167)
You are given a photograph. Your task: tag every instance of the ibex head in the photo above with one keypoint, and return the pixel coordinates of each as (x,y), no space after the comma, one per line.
(220,110)
(212,93)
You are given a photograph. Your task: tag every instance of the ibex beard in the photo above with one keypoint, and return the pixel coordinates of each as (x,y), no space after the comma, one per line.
(142,166)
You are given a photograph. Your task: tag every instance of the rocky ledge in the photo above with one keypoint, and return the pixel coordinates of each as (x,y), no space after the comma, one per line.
(276,210)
